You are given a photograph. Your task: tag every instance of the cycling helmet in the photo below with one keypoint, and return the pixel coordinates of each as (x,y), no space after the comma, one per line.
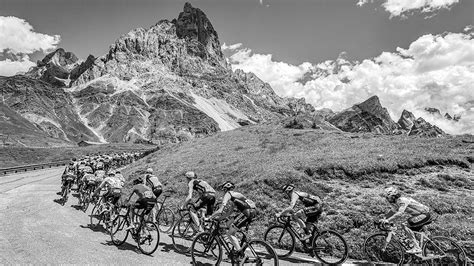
(139,180)
(73,159)
(111,173)
(228,186)
(117,172)
(149,170)
(190,175)
(391,192)
(288,187)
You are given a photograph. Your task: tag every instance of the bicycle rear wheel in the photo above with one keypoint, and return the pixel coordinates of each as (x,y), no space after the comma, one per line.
(281,239)
(446,250)
(64,195)
(376,249)
(330,247)
(206,251)
(148,238)
(85,201)
(95,216)
(259,252)
(118,232)
(165,219)
(183,233)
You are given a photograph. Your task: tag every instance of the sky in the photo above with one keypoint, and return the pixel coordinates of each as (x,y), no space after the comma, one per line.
(334,53)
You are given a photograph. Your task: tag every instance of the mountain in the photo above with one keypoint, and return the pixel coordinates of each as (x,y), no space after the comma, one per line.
(166,83)
(368,116)
(422,128)
(18,131)
(407,119)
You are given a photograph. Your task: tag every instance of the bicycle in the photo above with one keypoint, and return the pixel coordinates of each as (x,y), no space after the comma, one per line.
(386,246)
(185,229)
(85,196)
(327,245)
(66,188)
(144,235)
(164,216)
(103,211)
(206,248)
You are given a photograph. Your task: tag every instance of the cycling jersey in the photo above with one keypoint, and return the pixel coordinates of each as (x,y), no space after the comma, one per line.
(307,199)
(152,181)
(201,186)
(410,206)
(239,200)
(112,182)
(143,191)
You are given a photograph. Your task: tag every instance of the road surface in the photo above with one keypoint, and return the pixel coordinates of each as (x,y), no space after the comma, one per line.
(34,229)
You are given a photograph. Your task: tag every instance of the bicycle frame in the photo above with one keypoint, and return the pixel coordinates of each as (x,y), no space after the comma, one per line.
(216,234)
(286,221)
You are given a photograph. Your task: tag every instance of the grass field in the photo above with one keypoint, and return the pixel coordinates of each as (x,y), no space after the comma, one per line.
(15,156)
(348,170)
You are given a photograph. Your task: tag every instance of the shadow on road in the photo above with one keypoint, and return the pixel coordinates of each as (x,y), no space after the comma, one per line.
(124,246)
(95,228)
(59,201)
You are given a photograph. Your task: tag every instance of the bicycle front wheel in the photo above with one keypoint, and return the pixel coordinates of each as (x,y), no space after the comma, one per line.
(165,219)
(281,239)
(183,234)
(259,252)
(148,238)
(377,249)
(444,251)
(330,247)
(206,250)
(118,230)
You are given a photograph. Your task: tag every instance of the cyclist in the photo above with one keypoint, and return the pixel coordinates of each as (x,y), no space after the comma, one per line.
(419,214)
(68,176)
(113,186)
(246,212)
(146,199)
(311,211)
(120,177)
(88,181)
(154,183)
(207,196)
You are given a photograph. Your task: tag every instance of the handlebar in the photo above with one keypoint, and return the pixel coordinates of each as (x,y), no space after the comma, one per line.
(384,226)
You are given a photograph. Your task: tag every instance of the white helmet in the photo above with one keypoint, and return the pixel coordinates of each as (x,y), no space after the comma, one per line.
(149,170)
(190,174)
(391,192)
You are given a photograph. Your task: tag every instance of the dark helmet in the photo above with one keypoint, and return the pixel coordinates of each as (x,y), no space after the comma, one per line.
(111,173)
(227,186)
(288,187)
(73,159)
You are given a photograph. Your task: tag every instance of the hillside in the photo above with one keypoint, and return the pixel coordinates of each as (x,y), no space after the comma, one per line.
(348,170)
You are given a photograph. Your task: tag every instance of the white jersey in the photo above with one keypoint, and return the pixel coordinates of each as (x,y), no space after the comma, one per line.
(410,206)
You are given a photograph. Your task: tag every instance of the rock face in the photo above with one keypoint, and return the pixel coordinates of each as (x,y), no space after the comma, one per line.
(424,129)
(167,83)
(368,116)
(407,119)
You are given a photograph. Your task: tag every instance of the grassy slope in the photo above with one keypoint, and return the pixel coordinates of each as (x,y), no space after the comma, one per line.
(348,170)
(15,156)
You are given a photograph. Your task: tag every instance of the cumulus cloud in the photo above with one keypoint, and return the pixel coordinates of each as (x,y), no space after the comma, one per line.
(10,67)
(434,71)
(18,38)
(398,8)
(231,47)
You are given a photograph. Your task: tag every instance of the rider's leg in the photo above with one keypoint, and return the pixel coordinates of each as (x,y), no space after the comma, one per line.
(299,218)
(195,218)
(233,239)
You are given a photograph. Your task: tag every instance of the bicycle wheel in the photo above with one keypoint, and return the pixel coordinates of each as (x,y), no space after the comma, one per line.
(85,201)
(259,252)
(445,251)
(148,238)
(95,216)
(281,240)
(64,195)
(165,219)
(118,232)
(377,249)
(206,251)
(183,233)
(330,247)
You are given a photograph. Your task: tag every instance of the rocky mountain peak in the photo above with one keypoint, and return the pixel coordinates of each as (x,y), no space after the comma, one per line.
(194,26)
(59,58)
(406,120)
(424,129)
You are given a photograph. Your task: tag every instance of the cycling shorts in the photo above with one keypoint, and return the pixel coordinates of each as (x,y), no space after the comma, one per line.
(145,203)
(312,213)
(417,222)
(157,191)
(207,200)
(244,218)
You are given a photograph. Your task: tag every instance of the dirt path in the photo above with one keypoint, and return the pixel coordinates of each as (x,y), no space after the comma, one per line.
(34,229)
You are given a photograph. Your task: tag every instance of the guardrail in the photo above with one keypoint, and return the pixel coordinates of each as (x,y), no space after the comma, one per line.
(24,168)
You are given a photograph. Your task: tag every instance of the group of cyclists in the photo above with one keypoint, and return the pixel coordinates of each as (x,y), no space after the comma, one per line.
(236,208)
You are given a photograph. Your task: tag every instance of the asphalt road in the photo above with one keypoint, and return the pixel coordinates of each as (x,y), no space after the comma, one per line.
(34,229)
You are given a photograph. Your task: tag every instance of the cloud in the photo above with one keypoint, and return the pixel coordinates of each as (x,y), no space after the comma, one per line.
(10,67)
(17,40)
(434,71)
(400,8)
(231,47)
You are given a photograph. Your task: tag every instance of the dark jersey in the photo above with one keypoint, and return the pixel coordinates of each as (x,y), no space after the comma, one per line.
(143,192)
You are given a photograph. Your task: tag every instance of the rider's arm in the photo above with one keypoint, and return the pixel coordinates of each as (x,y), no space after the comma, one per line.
(294,200)
(97,190)
(225,200)
(399,212)
(190,193)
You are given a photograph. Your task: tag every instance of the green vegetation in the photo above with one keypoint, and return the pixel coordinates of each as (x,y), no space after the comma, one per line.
(16,156)
(348,170)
